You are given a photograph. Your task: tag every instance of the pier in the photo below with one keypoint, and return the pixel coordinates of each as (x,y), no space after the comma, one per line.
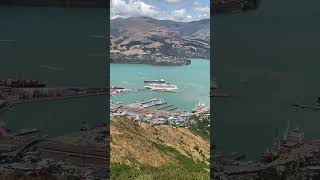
(155,103)
(148,101)
(164,107)
(148,104)
(171,109)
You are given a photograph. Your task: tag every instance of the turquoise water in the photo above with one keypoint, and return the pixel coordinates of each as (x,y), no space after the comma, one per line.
(58,46)
(193,81)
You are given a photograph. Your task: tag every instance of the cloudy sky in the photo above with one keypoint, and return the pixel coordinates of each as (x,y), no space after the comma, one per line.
(177,10)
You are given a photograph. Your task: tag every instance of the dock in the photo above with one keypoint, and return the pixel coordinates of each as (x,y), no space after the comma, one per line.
(56,98)
(164,107)
(303,106)
(174,108)
(155,103)
(148,101)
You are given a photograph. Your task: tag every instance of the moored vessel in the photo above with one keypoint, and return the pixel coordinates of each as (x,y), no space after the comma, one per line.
(162,87)
(161,81)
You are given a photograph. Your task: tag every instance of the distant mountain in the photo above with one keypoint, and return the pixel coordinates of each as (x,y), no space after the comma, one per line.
(145,36)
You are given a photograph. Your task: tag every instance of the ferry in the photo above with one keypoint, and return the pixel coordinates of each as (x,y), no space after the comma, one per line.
(162,87)
(161,81)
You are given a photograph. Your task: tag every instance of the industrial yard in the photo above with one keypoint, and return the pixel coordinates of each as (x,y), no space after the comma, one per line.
(31,152)
(291,156)
(81,154)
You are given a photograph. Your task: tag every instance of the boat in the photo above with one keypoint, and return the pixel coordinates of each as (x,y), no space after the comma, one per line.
(162,87)
(161,81)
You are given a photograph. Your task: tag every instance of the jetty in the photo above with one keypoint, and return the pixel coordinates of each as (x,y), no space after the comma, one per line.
(315,106)
(171,109)
(164,107)
(155,103)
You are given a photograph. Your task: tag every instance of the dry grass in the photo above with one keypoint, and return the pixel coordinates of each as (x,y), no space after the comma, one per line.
(135,143)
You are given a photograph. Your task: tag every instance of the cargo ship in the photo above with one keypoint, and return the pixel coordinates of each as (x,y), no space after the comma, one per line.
(22,83)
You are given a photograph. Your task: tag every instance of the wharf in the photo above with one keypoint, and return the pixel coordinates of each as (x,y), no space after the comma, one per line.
(156,103)
(164,107)
(148,101)
(147,104)
(174,108)
(303,106)
(56,98)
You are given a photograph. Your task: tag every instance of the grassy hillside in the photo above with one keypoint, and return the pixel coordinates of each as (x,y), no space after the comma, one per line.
(142,151)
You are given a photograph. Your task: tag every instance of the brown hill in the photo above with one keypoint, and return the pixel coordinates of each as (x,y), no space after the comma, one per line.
(148,36)
(143,144)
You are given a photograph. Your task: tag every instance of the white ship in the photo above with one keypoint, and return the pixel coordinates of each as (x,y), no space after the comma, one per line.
(162,87)
(161,81)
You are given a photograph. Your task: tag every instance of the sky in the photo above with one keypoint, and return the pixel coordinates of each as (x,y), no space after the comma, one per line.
(176,10)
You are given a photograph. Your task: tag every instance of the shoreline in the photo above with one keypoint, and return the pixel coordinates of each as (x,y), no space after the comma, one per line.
(161,64)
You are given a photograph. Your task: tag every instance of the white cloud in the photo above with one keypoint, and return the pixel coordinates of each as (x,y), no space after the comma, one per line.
(134,8)
(121,8)
(181,15)
(172,1)
(203,10)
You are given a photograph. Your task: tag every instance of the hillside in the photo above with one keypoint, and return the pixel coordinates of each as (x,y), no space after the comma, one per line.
(152,38)
(156,149)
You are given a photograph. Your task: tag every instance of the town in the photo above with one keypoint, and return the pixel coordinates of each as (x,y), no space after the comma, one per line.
(156,111)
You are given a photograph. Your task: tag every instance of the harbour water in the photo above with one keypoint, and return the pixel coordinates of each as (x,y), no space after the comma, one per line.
(193,82)
(61,47)
(276,50)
